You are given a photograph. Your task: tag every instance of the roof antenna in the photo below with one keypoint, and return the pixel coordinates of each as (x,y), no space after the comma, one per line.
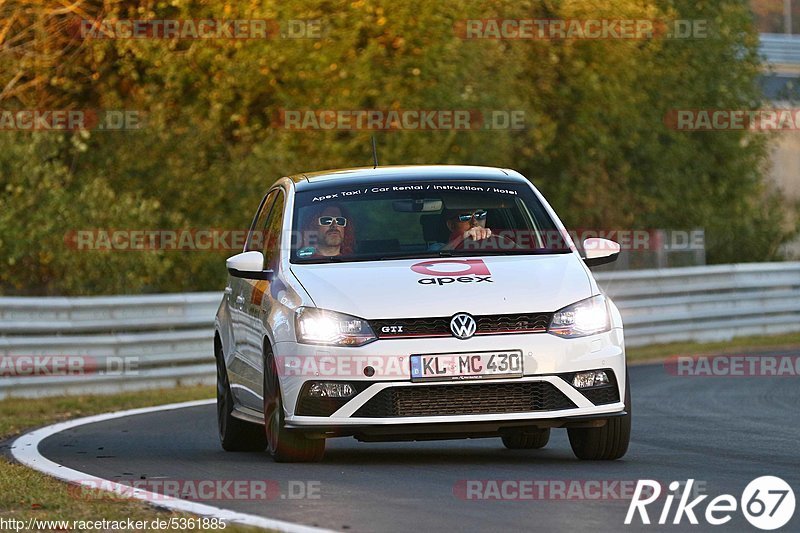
(374,153)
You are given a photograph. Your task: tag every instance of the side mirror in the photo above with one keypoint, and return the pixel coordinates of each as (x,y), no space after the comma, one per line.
(600,251)
(248,265)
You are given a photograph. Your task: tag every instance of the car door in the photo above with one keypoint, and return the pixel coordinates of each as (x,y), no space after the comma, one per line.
(239,292)
(257,305)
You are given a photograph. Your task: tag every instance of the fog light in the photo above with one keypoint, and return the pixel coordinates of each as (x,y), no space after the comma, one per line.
(595,378)
(331,390)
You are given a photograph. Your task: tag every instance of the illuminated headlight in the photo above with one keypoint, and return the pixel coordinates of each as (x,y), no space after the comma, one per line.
(316,326)
(595,378)
(586,317)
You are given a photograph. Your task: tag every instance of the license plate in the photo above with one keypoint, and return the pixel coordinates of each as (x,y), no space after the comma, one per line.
(465,366)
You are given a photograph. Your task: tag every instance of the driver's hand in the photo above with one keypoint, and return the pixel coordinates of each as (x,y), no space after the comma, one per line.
(478,233)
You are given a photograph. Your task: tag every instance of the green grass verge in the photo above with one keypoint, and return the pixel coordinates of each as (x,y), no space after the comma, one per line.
(737,345)
(26,493)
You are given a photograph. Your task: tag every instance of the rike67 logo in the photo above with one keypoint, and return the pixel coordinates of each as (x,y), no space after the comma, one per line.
(446,271)
(767,503)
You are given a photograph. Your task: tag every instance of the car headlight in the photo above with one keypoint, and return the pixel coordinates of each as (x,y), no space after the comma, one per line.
(583,318)
(317,326)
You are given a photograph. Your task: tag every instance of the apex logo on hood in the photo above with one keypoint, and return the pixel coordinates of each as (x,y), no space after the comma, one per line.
(445,271)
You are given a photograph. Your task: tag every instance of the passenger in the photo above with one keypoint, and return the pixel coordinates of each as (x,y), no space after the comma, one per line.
(328,232)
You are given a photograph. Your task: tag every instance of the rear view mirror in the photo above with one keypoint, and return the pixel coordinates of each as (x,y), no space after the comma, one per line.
(600,251)
(418,205)
(248,265)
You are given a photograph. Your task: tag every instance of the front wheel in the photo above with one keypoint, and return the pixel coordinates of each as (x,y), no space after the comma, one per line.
(608,442)
(284,445)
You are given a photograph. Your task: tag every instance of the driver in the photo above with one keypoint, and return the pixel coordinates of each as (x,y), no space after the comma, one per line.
(466,224)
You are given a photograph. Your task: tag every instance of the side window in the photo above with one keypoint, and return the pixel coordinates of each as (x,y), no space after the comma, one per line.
(272,232)
(255,237)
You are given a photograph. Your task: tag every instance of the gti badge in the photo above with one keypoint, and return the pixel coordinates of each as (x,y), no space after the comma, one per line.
(463,326)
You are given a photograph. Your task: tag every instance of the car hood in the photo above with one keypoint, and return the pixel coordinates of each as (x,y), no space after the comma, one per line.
(412,288)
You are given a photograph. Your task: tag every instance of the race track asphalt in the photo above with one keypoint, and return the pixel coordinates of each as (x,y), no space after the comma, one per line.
(721,431)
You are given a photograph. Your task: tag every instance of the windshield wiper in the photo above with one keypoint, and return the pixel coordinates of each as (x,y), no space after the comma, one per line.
(421,255)
(324,259)
(426,255)
(536,251)
(356,259)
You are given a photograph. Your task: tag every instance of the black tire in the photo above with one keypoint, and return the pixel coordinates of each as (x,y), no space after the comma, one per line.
(235,435)
(527,441)
(284,445)
(605,443)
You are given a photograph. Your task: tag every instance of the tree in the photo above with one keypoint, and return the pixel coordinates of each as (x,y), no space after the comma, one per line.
(595,139)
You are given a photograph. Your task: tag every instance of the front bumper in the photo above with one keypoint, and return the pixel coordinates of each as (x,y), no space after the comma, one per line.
(454,430)
(546,358)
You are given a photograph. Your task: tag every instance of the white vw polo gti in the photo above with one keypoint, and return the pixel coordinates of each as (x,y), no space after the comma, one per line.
(414,303)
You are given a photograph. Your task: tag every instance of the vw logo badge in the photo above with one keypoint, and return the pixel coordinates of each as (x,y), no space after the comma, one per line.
(463,326)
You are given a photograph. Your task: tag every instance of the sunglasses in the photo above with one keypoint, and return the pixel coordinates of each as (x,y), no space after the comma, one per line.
(480,214)
(327,221)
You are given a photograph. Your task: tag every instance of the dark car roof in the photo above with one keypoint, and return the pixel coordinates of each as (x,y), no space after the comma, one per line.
(393,174)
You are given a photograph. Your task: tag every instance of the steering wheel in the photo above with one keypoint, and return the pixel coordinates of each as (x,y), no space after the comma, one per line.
(495,241)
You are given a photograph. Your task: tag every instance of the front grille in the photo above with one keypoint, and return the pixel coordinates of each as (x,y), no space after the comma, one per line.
(411,327)
(513,323)
(440,326)
(474,399)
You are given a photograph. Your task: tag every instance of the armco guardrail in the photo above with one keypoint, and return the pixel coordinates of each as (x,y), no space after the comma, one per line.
(780,49)
(169,337)
(108,344)
(709,303)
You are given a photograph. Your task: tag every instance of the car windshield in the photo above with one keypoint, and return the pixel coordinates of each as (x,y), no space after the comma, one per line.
(384,221)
